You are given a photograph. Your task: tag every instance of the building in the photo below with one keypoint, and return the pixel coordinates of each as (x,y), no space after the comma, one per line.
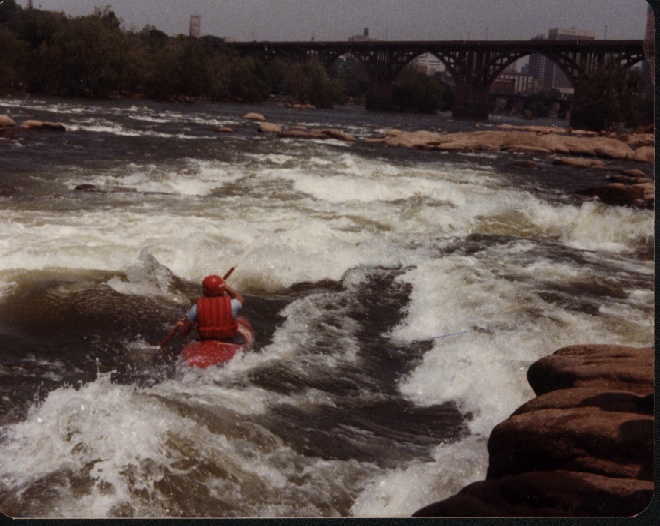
(195,26)
(549,75)
(364,37)
(512,82)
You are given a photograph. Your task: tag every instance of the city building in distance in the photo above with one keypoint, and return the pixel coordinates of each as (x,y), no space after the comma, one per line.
(195,26)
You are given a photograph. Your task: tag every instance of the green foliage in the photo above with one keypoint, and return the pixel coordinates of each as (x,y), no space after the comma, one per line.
(85,57)
(610,97)
(12,59)
(418,92)
(539,105)
(309,83)
(9,10)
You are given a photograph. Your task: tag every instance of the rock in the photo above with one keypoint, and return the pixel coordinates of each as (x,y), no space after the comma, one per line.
(43,125)
(645,154)
(547,494)
(374,139)
(6,121)
(634,172)
(610,400)
(223,129)
(87,188)
(592,366)
(609,443)
(269,127)
(640,139)
(528,149)
(525,163)
(629,180)
(580,162)
(583,133)
(301,133)
(535,129)
(254,116)
(495,140)
(621,194)
(338,134)
(583,447)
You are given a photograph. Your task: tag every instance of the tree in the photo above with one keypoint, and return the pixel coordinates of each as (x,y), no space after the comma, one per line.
(609,97)
(9,10)
(12,59)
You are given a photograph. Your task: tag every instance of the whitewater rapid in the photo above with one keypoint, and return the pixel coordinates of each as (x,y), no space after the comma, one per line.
(403,249)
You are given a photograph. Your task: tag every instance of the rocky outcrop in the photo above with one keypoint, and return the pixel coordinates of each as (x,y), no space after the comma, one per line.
(583,447)
(338,134)
(253,116)
(43,125)
(499,140)
(301,133)
(645,154)
(269,127)
(6,121)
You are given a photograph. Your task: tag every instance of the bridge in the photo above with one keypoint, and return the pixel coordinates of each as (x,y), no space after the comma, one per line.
(473,64)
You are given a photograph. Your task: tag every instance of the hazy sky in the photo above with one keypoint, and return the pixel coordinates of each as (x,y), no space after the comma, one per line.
(386,19)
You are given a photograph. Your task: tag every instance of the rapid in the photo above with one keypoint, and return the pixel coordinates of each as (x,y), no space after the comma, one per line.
(398,298)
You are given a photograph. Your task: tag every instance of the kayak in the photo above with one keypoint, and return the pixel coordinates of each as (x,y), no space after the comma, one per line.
(204,353)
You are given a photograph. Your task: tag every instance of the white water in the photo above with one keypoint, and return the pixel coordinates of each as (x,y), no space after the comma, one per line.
(284,217)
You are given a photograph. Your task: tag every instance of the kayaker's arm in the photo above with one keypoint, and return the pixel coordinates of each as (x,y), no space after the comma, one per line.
(234,294)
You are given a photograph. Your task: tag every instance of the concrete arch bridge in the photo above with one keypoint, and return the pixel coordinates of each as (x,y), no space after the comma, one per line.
(473,64)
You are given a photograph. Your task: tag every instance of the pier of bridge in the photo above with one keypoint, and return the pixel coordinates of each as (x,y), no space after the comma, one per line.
(473,64)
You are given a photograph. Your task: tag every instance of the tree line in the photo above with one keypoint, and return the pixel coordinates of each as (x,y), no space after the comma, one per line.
(45,52)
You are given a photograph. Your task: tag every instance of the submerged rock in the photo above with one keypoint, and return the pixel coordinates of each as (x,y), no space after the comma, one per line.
(583,447)
(580,162)
(638,195)
(43,125)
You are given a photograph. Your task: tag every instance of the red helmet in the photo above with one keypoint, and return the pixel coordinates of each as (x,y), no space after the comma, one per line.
(213,285)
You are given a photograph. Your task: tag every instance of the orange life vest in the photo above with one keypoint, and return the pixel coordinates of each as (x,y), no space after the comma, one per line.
(214,318)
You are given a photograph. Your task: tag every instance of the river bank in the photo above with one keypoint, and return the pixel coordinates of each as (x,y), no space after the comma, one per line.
(583,447)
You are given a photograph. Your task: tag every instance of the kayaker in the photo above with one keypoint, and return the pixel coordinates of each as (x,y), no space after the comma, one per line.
(215,313)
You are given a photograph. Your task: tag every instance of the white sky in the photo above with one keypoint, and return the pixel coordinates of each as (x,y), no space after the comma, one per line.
(386,19)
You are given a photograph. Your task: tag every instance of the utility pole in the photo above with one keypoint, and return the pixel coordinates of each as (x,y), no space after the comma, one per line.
(605,35)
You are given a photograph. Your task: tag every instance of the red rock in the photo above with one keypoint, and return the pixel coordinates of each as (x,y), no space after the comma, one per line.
(254,116)
(645,154)
(299,133)
(43,125)
(547,494)
(634,172)
(609,443)
(223,129)
(6,121)
(338,134)
(606,366)
(269,127)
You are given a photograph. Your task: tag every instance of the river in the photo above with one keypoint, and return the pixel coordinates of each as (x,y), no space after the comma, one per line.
(398,298)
